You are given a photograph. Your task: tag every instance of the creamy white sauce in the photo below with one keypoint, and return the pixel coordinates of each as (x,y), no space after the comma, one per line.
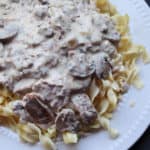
(30,51)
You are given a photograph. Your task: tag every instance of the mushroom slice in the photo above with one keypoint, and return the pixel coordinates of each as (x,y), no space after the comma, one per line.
(8,32)
(80,66)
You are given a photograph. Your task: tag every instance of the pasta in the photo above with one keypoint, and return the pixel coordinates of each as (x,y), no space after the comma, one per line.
(104,94)
(94,90)
(70,138)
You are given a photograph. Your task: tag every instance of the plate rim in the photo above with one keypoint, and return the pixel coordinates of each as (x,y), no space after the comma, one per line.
(133,135)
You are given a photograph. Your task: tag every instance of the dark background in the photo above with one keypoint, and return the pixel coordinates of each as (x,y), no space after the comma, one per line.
(144,142)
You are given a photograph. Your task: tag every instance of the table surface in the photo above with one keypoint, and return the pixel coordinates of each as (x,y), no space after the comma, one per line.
(144,142)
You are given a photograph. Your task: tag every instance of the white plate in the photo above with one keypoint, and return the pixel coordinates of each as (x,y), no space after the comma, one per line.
(131,122)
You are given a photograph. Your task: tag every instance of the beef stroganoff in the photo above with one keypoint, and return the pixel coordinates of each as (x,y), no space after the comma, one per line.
(64,67)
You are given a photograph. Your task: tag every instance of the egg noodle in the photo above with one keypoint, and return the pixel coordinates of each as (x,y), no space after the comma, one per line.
(105,94)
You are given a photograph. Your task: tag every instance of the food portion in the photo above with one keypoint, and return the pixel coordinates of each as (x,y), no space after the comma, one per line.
(51,54)
(52,43)
(64,64)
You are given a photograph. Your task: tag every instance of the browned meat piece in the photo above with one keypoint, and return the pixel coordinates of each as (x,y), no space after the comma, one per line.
(80,66)
(37,111)
(103,65)
(31,109)
(8,32)
(77,84)
(66,121)
(82,104)
(53,95)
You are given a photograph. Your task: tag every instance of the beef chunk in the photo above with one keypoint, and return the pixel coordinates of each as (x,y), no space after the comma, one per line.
(66,121)
(37,111)
(103,65)
(53,95)
(80,66)
(82,104)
